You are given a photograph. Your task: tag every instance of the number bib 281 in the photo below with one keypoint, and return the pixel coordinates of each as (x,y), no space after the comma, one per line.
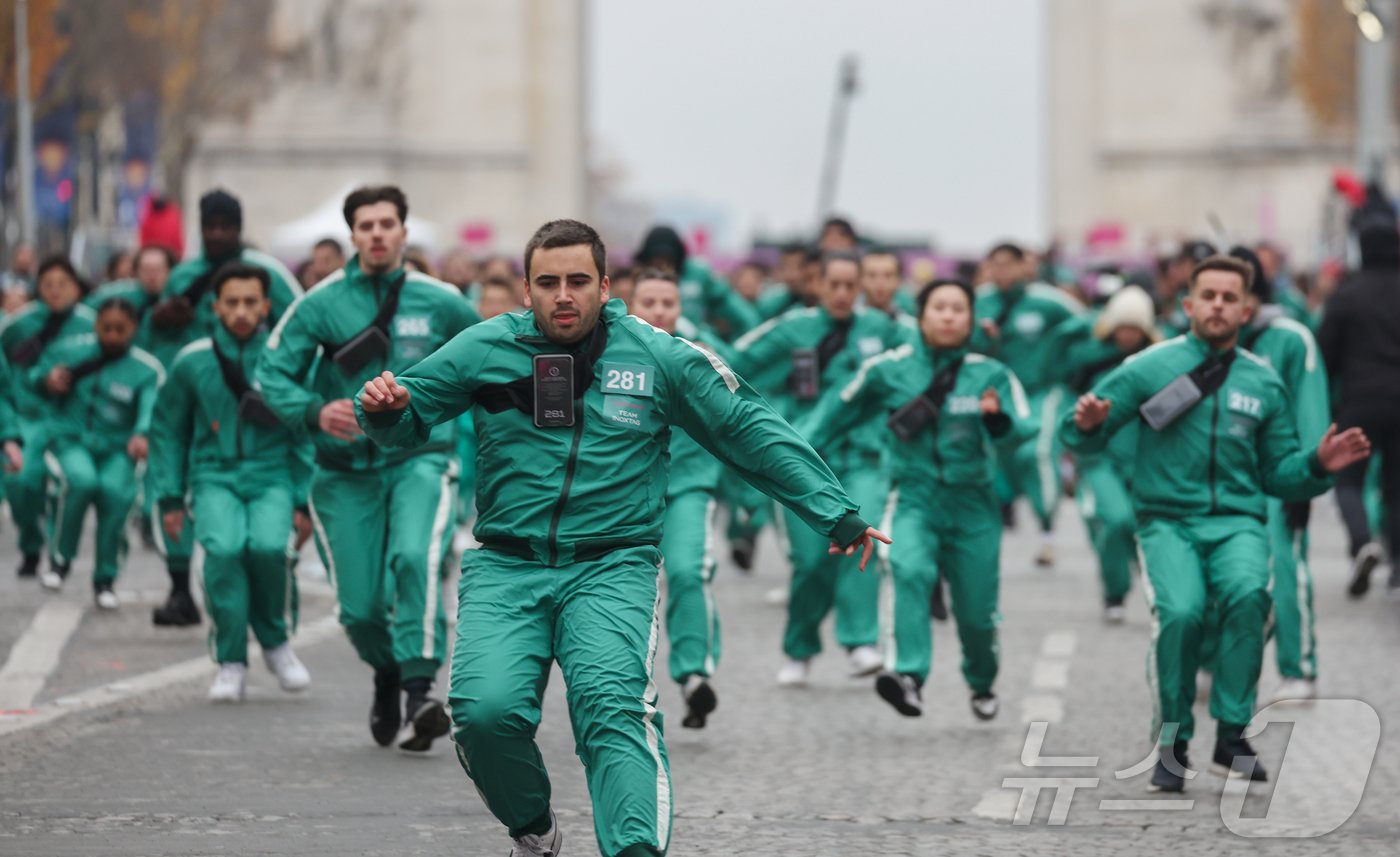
(627,379)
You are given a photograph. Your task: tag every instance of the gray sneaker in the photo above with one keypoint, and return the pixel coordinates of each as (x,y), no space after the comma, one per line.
(544,845)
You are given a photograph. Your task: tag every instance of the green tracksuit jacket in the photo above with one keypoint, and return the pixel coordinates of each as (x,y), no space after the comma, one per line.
(1199,496)
(570,518)
(706,297)
(382,517)
(9,420)
(131,292)
(25,489)
(1038,324)
(242,481)
(87,431)
(942,503)
(766,355)
(166,342)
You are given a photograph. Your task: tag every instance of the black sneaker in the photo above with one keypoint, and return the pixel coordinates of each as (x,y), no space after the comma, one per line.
(1008,516)
(742,551)
(29,566)
(386,715)
(1362,565)
(700,701)
(1234,759)
(427,721)
(900,690)
(1169,775)
(178,611)
(985,705)
(937,606)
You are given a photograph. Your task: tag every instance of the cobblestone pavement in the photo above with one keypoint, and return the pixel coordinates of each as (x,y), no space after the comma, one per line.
(119,754)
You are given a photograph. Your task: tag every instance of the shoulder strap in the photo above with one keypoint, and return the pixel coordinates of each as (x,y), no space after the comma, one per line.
(28,351)
(1007,307)
(234,378)
(94,364)
(520,393)
(833,343)
(387,309)
(1210,375)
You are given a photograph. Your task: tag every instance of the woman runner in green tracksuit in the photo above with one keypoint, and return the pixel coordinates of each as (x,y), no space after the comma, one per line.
(101,395)
(948,412)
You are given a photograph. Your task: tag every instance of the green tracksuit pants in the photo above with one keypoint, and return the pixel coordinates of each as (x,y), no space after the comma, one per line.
(25,489)
(105,482)
(1186,563)
(1295,643)
(383,535)
(177,553)
(1107,510)
(692,620)
(821,581)
(749,510)
(955,532)
(598,619)
(242,527)
(1032,469)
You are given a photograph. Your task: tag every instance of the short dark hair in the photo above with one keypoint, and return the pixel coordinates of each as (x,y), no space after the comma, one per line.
(237,270)
(654,274)
(840,224)
(121,305)
(498,283)
(792,248)
(886,251)
(64,264)
(369,195)
(1015,250)
(114,260)
(160,249)
(933,285)
(335,245)
(839,256)
(567,233)
(1228,264)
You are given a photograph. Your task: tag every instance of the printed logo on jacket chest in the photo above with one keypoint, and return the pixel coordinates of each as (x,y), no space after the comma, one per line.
(870,346)
(964,405)
(413,337)
(1029,324)
(1245,413)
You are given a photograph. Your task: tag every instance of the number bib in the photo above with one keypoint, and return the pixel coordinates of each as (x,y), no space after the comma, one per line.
(627,379)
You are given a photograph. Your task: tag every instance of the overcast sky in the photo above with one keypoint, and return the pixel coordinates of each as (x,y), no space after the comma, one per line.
(725,103)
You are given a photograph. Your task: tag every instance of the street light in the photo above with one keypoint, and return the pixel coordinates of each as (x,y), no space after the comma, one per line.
(1367,21)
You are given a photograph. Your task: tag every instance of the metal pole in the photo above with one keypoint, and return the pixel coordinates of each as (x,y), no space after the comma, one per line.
(28,221)
(1374,70)
(836,136)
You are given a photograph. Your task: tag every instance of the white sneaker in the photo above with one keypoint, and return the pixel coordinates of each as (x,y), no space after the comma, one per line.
(1115,614)
(1204,680)
(545,845)
(793,673)
(107,599)
(864,661)
(1045,557)
(290,671)
(51,580)
(1296,690)
(229,684)
(985,706)
(776,597)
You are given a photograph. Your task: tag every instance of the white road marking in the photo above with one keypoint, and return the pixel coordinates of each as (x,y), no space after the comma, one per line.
(36,653)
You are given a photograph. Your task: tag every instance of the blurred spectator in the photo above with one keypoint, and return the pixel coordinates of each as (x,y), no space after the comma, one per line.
(500,267)
(460,269)
(622,282)
(327,257)
(838,236)
(416,259)
(21,273)
(152,268)
(1360,341)
(162,225)
(119,266)
(498,296)
(749,279)
(13,299)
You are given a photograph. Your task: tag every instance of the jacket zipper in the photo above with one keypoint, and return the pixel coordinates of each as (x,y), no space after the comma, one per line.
(568,484)
(92,402)
(238,420)
(937,455)
(1214,423)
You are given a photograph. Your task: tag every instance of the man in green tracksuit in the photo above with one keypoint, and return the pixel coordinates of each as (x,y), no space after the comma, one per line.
(152,267)
(382,517)
(706,299)
(185,313)
(688,531)
(1025,325)
(55,319)
(575,403)
(100,397)
(1103,479)
(944,411)
(1218,432)
(11,440)
(215,441)
(792,359)
(1289,347)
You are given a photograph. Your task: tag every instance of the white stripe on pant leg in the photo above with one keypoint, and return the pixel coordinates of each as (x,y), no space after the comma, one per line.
(1153,688)
(434,582)
(1303,577)
(289,567)
(197,577)
(61,492)
(663,785)
(1044,447)
(320,531)
(707,576)
(886,590)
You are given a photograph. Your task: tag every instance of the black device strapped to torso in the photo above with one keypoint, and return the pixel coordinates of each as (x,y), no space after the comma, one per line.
(1168,404)
(372,342)
(922,411)
(251,406)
